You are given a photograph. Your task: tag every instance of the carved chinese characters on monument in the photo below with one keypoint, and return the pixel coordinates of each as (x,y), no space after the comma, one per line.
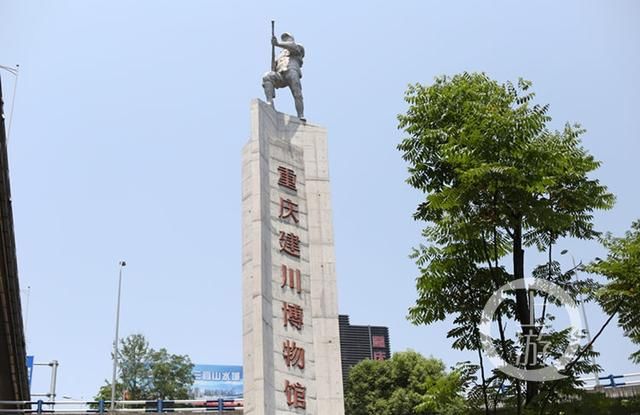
(290,243)
(293,315)
(287,178)
(291,278)
(291,282)
(288,209)
(293,355)
(296,394)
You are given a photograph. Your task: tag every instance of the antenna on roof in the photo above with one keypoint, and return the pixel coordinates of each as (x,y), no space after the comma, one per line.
(14,72)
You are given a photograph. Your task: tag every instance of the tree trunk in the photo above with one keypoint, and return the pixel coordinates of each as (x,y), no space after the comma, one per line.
(524,309)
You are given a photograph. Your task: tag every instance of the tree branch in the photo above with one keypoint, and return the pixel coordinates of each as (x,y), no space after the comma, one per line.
(582,352)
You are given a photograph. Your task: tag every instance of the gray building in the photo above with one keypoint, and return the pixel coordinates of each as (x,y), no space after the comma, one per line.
(358,343)
(14,385)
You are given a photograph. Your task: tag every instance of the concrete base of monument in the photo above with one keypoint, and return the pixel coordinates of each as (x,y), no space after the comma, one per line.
(285,165)
(302,119)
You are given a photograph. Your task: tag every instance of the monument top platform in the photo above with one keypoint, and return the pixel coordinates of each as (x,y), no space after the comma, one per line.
(258,104)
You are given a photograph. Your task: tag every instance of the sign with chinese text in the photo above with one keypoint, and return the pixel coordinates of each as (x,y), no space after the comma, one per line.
(215,381)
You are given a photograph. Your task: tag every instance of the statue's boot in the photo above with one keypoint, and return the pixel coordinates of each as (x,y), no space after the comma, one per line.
(269,92)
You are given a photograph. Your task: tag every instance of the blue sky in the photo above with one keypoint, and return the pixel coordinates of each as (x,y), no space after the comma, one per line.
(130,118)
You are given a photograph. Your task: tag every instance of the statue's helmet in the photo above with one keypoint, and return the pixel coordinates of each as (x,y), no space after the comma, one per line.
(286,35)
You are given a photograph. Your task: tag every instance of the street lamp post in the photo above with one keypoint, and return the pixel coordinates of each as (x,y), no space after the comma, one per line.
(115,341)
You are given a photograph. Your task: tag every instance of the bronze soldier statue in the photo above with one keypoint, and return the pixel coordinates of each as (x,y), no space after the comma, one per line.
(286,71)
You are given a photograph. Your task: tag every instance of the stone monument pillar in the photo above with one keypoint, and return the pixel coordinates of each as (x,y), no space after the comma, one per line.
(290,314)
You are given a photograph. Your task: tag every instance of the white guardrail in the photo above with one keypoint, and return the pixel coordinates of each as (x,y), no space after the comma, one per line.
(612,381)
(104,407)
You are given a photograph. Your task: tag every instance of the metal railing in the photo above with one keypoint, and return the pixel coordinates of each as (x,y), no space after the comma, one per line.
(103,406)
(612,381)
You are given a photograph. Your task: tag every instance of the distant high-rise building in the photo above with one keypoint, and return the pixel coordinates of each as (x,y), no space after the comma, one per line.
(358,343)
(14,379)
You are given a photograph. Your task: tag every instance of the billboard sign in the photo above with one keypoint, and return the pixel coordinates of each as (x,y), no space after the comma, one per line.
(216,381)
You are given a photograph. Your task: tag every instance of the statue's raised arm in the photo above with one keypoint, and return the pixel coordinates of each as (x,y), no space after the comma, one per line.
(287,72)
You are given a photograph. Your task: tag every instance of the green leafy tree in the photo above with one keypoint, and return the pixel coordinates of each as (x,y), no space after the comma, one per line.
(622,293)
(171,375)
(497,182)
(406,384)
(145,373)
